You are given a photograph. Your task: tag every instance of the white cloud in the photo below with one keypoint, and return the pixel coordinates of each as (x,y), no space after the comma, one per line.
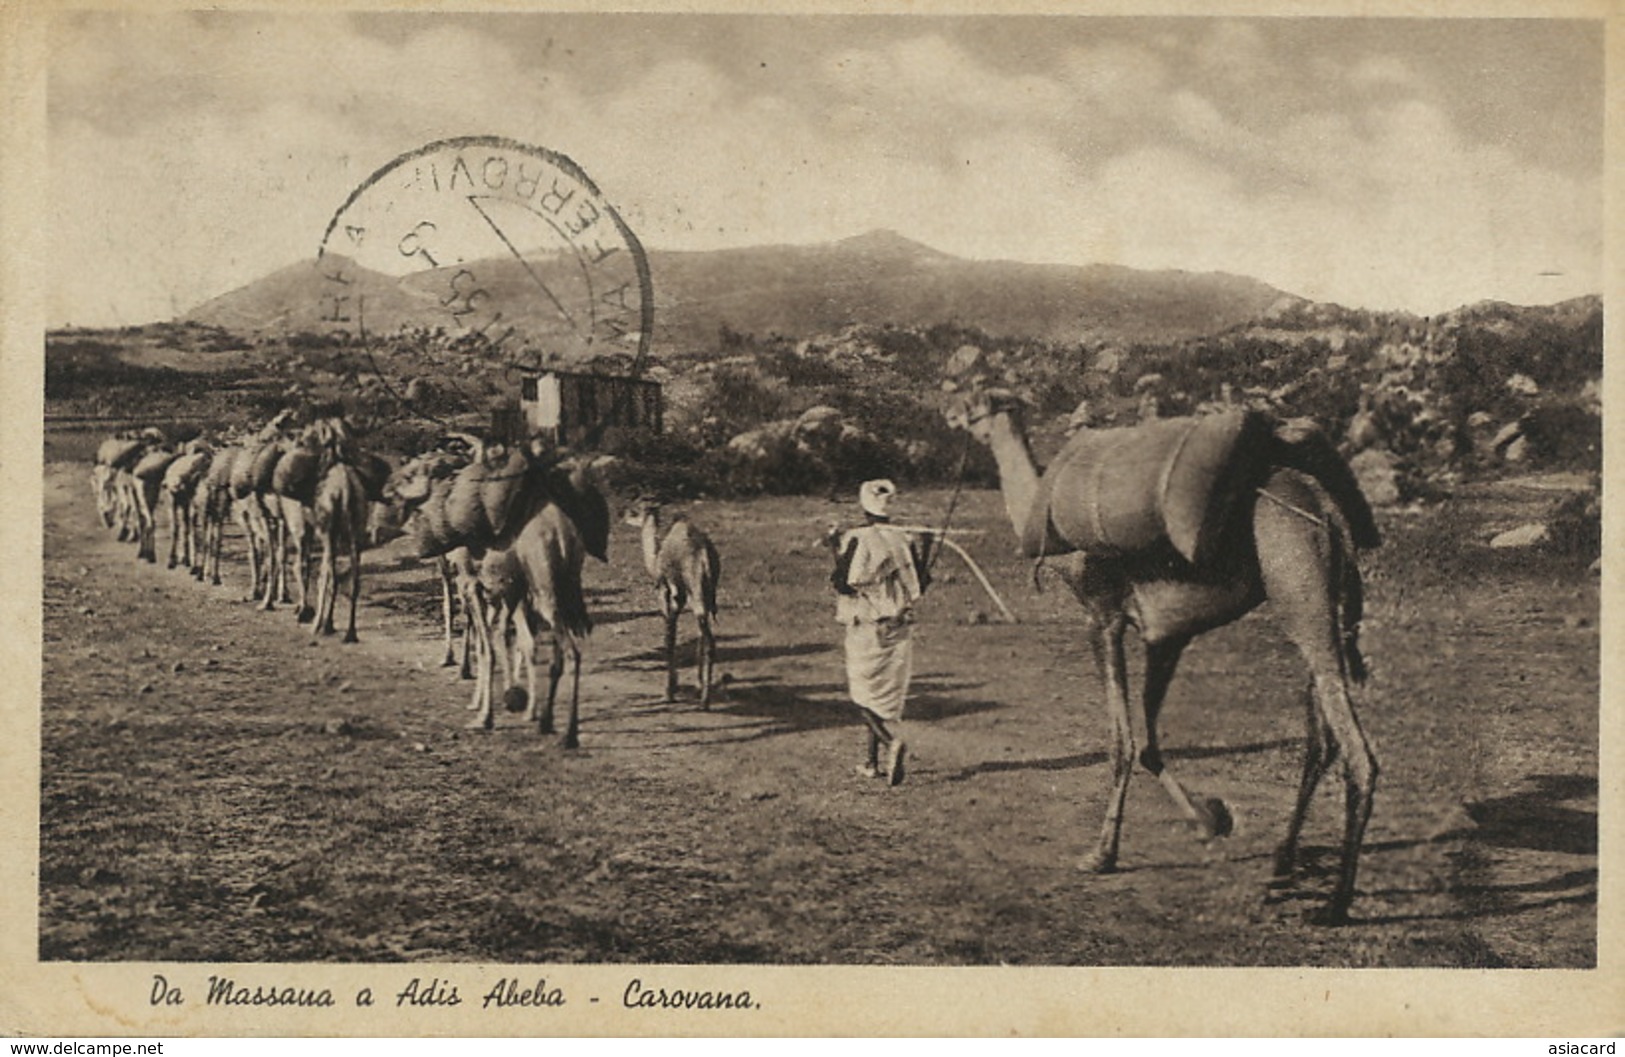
(179,178)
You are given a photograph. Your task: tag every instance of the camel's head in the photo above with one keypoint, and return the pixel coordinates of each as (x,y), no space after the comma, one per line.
(975,408)
(640,510)
(409,485)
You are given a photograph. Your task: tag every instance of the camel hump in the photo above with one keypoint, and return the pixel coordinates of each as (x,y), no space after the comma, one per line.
(153,464)
(296,474)
(262,469)
(120,453)
(1123,491)
(1302,445)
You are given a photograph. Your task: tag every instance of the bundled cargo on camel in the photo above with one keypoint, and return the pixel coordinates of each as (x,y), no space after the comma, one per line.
(485,502)
(1181,480)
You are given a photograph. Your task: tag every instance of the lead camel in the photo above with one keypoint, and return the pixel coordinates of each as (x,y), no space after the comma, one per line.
(1294,544)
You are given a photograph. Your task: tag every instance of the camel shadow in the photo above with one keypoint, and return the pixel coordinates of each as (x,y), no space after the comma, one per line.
(1535,819)
(1538,819)
(727,653)
(1100,758)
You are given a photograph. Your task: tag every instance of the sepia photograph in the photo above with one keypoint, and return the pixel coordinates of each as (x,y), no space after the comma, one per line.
(837,521)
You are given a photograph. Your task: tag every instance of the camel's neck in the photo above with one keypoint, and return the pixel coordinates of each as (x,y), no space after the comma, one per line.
(1018,476)
(651,542)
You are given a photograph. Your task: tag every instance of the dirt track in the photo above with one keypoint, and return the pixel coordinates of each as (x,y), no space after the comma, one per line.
(218,785)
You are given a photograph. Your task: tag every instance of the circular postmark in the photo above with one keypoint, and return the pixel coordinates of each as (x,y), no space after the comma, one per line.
(485,248)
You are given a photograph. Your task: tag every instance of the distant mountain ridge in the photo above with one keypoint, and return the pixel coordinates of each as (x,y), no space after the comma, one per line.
(876,278)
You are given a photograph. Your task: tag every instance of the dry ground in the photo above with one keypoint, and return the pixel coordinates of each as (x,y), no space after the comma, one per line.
(218,785)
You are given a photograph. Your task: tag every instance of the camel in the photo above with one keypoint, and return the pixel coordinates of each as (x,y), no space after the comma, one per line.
(181,482)
(549,553)
(341,522)
(218,507)
(148,474)
(685,567)
(324,487)
(1293,544)
(548,518)
(408,488)
(251,486)
(112,485)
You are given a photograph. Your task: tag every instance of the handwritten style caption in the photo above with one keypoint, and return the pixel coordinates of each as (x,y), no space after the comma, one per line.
(437,992)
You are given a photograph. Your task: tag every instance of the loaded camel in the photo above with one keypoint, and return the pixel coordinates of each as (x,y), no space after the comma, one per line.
(1290,538)
(686,567)
(252,472)
(324,485)
(219,504)
(548,517)
(112,483)
(148,473)
(181,482)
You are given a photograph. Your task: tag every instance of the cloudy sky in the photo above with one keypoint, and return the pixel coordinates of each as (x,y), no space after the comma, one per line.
(1416,164)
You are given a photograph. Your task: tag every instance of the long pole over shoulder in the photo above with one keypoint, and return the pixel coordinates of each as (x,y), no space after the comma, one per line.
(987,585)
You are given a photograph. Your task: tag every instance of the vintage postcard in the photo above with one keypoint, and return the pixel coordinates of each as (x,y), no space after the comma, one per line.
(1078,520)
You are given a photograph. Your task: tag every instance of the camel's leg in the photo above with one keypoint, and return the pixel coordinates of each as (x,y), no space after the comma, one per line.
(446,613)
(476,619)
(670,613)
(217,524)
(273,558)
(524,656)
(297,519)
(355,584)
(148,520)
(1106,639)
(256,544)
(555,671)
(1359,783)
(708,649)
(125,511)
(196,537)
(327,598)
(1302,568)
(324,587)
(484,675)
(296,535)
(502,617)
(572,728)
(1161,658)
(478,616)
(1319,754)
(174,530)
(182,515)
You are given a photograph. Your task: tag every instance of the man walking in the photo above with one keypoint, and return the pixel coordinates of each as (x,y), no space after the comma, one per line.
(880,572)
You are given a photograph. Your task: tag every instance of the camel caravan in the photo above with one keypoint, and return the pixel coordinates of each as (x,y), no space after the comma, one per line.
(1172,527)
(507,527)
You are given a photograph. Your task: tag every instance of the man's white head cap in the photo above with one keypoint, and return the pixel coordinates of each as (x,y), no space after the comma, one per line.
(875,496)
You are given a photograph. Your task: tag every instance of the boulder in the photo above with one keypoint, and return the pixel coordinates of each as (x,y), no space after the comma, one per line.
(1532,534)
(1378,474)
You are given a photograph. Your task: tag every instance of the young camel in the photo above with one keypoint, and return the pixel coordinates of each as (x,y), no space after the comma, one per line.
(408,490)
(685,567)
(1294,545)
